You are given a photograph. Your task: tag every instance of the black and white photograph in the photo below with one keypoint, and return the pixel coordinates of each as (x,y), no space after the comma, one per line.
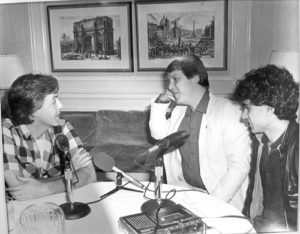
(149,116)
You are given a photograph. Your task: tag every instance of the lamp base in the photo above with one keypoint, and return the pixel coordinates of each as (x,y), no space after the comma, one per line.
(75,210)
(152,207)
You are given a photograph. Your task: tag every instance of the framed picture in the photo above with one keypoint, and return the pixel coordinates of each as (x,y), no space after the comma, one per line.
(168,29)
(90,37)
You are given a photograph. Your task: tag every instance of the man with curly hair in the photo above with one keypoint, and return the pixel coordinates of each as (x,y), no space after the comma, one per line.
(269,97)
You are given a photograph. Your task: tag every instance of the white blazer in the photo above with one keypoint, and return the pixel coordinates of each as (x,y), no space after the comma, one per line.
(224,148)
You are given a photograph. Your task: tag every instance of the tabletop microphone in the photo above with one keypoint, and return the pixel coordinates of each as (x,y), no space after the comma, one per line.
(71,209)
(62,142)
(170,108)
(107,163)
(173,140)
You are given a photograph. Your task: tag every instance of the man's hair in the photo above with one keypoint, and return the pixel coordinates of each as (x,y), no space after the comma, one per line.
(190,65)
(26,95)
(271,86)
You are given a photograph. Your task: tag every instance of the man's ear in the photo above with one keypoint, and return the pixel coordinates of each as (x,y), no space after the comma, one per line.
(33,115)
(270,109)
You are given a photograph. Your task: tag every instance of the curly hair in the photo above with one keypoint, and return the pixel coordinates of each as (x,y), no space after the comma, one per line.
(26,95)
(190,65)
(271,86)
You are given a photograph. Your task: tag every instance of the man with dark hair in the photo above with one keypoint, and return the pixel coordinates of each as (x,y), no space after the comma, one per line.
(216,156)
(269,97)
(32,164)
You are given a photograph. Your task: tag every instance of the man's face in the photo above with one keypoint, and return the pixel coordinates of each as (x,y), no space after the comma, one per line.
(48,114)
(256,117)
(181,87)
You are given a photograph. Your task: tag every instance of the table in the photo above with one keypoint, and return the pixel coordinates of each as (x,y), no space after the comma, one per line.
(105,214)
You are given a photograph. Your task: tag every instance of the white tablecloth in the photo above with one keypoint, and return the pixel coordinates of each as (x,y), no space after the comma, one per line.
(105,214)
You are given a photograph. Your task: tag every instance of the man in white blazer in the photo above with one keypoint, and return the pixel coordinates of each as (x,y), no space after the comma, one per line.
(216,155)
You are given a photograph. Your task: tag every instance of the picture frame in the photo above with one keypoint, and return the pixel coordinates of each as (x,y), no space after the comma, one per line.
(90,37)
(168,29)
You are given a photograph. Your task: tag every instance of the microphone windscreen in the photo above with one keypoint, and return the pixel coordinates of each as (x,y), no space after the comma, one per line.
(101,160)
(62,142)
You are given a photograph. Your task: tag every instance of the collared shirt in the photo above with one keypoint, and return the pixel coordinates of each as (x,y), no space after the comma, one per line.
(21,151)
(191,123)
(270,169)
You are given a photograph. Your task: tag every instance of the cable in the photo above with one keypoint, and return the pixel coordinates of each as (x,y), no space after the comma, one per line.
(174,193)
(157,224)
(122,186)
(191,190)
(147,189)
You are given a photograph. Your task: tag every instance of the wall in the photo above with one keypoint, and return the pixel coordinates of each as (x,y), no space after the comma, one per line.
(274,26)
(15,32)
(253,31)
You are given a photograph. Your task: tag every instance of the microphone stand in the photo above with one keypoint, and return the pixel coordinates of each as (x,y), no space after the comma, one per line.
(118,187)
(71,209)
(153,206)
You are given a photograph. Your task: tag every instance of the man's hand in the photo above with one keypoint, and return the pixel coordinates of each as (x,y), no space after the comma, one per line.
(27,188)
(80,160)
(165,97)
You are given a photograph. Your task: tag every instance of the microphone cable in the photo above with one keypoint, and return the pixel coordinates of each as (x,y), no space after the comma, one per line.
(122,186)
(147,189)
(101,198)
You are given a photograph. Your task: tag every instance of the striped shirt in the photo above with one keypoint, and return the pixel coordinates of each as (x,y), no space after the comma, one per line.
(21,151)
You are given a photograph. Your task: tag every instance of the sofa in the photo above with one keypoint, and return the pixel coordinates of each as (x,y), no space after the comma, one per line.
(123,135)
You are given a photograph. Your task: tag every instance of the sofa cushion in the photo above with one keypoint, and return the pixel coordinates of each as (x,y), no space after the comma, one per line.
(123,127)
(85,125)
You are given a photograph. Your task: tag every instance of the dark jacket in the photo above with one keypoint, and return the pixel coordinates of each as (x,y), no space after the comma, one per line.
(289,151)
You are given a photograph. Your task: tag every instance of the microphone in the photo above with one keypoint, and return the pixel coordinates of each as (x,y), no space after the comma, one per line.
(170,108)
(173,140)
(62,143)
(153,206)
(72,210)
(107,163)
